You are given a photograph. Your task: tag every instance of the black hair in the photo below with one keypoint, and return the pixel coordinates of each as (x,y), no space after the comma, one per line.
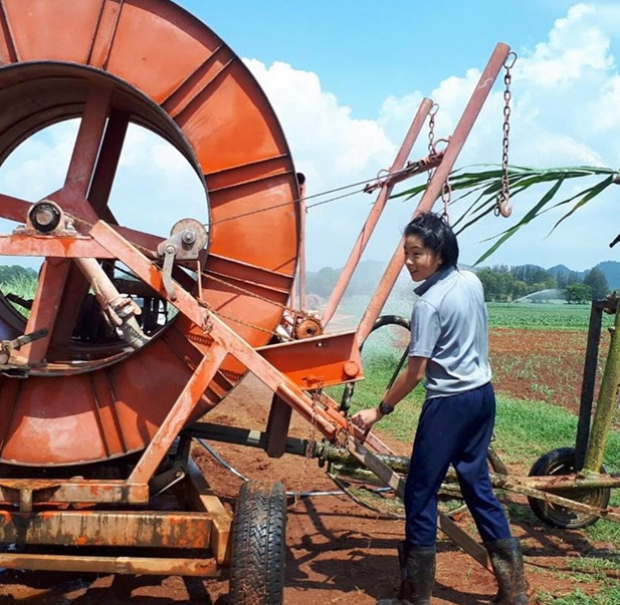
(437,235)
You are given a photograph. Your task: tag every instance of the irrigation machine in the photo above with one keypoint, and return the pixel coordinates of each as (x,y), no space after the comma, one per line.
(131,339)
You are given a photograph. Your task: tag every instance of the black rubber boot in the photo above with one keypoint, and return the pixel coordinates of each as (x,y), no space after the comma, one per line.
(417,571)
(507,562)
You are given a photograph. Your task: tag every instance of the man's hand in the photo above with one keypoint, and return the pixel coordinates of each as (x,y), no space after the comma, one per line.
(366,418)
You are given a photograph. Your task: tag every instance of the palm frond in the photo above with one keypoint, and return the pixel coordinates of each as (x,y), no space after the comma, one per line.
(486,183)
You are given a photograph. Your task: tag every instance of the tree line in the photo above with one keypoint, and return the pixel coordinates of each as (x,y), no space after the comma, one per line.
(505,284)
(10,273)
(502,283)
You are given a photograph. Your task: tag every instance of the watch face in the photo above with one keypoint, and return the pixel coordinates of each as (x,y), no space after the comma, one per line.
(385,409)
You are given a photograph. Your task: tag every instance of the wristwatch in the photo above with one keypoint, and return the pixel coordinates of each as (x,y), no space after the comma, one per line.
(385,409)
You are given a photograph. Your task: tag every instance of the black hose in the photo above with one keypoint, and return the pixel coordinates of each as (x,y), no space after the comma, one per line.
(383,320)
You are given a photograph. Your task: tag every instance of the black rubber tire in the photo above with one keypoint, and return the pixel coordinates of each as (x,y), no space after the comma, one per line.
(258,543)
(562,462)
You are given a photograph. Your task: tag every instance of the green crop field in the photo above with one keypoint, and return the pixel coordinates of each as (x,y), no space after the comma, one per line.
(531,316)
(541,316)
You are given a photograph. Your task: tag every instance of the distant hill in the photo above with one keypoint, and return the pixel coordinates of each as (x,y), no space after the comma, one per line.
(559,270)
(611,271)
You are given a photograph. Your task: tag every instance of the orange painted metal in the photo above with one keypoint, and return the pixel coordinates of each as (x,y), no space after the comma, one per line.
(58,492)
(204,101)
(323,361)
(86,396)
(101,403)
(176,566)
(109,528)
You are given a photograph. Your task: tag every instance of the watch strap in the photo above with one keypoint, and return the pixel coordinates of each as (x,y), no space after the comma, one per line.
(385,409)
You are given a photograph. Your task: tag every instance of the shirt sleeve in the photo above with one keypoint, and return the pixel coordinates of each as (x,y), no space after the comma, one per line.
(425,330)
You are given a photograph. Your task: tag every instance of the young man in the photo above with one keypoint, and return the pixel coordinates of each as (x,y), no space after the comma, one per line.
(449,347)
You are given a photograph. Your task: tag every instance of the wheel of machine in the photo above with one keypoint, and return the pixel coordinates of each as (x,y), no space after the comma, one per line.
(562,462)
(147,64)
(258,539)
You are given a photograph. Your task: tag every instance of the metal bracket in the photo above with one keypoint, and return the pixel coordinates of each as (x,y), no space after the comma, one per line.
(11,363)
(188,237)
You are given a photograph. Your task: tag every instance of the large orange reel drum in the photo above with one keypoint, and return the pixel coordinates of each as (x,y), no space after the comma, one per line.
(85,395)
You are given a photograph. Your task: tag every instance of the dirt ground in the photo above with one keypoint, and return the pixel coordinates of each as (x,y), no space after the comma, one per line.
(337,551)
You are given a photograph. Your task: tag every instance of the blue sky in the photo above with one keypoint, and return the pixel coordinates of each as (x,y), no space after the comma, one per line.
(364,50)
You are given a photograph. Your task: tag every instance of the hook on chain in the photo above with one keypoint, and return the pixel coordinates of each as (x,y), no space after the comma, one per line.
(502,202)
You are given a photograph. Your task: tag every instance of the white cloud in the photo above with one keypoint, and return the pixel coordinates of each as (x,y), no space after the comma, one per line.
(154,185)
(576,44)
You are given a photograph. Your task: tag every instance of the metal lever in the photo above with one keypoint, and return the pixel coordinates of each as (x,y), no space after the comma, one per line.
(187,238)
(8,346)
(170,253)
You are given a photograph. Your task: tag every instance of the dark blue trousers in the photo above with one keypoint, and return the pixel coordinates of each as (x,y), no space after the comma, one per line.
(453,430)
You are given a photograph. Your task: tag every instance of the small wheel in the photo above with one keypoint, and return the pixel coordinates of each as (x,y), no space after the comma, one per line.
(562,462)
(258,541)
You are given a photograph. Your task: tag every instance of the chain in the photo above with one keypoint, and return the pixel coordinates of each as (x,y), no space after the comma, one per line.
(446,196)
(315,394)
(309,453)
(446,191)
(431,135)
(502,203)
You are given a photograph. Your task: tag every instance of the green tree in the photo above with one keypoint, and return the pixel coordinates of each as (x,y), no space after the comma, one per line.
(566,278)
(8,273)
(322,282)
(578,293)
(597,282)
(533,274)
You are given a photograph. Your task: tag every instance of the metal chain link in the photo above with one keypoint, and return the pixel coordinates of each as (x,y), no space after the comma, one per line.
(446,191)
(431,135)
(502,203)
(446,196)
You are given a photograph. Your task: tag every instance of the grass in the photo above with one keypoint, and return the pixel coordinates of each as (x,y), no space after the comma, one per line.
(24,287)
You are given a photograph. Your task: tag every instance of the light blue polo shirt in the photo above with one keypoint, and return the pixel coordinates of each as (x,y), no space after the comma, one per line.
(449,328)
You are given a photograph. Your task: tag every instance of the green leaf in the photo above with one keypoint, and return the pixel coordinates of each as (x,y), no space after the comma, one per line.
(524,221)
(594,191)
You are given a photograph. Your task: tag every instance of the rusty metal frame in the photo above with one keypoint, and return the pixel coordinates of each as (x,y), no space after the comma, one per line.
(289,370)
(376,210)
(205,568)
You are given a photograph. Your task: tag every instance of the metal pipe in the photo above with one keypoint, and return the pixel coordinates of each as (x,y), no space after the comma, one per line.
(119,310)
(461,132)
(601,424)
(400,464)
(301,274)
(376,211)
(587,386)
